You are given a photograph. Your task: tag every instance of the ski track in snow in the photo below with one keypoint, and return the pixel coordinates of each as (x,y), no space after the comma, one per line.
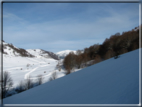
(27,75)
(43,76)
(21,69)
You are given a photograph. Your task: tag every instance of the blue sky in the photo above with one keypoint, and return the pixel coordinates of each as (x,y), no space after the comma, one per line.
(61,26)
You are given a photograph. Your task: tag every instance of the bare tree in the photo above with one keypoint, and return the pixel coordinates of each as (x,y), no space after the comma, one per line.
(58,66)
(78,52)
(97,59)
(28,83)
(7,83)
(78,61)
(109,54)
(69,62)
(39,79)
(20,87)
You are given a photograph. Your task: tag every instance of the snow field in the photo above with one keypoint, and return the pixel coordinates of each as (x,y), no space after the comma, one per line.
(20,68)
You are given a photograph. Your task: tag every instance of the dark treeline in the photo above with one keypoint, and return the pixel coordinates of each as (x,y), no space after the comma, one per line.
(115,45)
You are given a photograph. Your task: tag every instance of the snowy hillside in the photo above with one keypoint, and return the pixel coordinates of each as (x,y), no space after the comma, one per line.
(10,50)
(62,54)
(21,63)
(22,67)
(42,53)
(37,53)
(113,81)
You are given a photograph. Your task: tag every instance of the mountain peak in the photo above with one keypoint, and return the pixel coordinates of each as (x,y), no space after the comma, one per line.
(11,50)
(63,54)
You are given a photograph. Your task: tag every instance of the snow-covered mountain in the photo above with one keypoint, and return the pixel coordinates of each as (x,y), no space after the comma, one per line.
(42,53)
(63,54)
(9,50)
(113,81)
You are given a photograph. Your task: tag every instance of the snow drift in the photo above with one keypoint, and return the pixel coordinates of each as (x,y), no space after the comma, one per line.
(114,81)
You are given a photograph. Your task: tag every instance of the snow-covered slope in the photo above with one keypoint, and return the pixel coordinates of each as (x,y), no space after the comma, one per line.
(22,67)
(9,50)
(38,53)
(62,54)
(21,63)
(114,81)
(42,53)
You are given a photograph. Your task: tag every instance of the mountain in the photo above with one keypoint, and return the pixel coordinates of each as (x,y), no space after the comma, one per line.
(113,81)
(10,50)
(42,53)
(63,54)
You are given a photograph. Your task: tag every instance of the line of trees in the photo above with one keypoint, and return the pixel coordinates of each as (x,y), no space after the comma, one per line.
(7,85)
(9,90)
(116,45)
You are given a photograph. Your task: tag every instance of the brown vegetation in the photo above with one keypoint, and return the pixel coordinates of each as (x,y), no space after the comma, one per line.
(114,46)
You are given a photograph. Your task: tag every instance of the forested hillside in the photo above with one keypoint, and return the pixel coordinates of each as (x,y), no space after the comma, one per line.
(116,45)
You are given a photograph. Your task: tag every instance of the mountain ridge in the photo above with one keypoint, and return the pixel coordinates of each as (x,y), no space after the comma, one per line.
(64,53)
(9,50)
